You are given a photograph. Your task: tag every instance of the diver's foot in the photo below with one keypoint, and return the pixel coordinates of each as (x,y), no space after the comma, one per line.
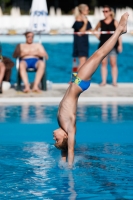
(102,84)
(123,23)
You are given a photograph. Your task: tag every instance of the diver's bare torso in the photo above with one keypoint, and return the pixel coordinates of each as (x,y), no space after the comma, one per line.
(67,108)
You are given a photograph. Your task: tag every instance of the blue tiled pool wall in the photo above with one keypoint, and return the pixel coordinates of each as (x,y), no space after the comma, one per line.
(59,65)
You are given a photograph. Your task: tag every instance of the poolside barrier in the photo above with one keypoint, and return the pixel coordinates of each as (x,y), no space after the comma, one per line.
(95,32)
(71,33)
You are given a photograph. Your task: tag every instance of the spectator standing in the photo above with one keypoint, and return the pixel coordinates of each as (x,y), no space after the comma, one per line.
(109,24)
(81,24)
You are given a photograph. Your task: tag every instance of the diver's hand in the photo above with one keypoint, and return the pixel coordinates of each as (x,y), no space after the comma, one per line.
(70,166)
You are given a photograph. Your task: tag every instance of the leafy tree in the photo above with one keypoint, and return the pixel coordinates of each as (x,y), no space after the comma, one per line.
(93,4)
(3,3)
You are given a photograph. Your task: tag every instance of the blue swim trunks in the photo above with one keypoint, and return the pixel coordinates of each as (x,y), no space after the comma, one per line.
(31,62)
(84,85)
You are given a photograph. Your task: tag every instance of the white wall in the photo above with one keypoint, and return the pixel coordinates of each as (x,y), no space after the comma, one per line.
(63,22)
(55,22)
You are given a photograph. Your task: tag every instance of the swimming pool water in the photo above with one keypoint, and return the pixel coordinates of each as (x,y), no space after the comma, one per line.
(59,65)
(31,171)
(44,114)
(30,166)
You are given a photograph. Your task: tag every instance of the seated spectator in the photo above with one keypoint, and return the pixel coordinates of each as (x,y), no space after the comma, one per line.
(5,70)
(30,55)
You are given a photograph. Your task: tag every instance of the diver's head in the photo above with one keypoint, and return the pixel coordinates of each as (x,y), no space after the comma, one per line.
(61,138)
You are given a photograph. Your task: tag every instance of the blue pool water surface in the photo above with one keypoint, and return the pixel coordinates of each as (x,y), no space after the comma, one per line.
(59,65)
(30,166)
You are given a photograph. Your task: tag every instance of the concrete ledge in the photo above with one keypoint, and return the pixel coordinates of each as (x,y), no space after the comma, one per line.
(95,85)
(108,93)
(58,99)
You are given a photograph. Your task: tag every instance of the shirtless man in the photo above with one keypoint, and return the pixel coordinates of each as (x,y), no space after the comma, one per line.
(30,55)
(65,135)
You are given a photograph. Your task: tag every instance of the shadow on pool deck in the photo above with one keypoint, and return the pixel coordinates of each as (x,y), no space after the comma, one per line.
(58,90)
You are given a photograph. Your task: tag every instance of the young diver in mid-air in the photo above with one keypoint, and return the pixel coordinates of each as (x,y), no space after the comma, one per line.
(65,135)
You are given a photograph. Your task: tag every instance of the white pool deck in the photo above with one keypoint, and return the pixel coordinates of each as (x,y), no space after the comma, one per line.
(123,93)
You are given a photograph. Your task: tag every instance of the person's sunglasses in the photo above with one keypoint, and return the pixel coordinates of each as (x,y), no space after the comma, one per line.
(105,11)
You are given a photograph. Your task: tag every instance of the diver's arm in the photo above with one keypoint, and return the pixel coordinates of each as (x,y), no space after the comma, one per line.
(71,143)
(64,155)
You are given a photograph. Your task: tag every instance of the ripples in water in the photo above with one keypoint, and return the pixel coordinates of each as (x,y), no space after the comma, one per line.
(33,171)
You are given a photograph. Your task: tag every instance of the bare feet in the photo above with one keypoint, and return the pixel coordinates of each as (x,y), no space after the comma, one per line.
(114,84)
(123,23)
(102,84)
(26,89)
(36,89)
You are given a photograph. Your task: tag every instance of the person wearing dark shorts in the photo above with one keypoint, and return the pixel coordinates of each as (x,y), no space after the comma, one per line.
(81,43)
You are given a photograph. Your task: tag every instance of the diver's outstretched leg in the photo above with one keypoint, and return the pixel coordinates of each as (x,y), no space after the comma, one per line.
(87,70)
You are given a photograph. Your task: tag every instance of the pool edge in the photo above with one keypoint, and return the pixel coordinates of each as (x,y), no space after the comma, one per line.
(58,99)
